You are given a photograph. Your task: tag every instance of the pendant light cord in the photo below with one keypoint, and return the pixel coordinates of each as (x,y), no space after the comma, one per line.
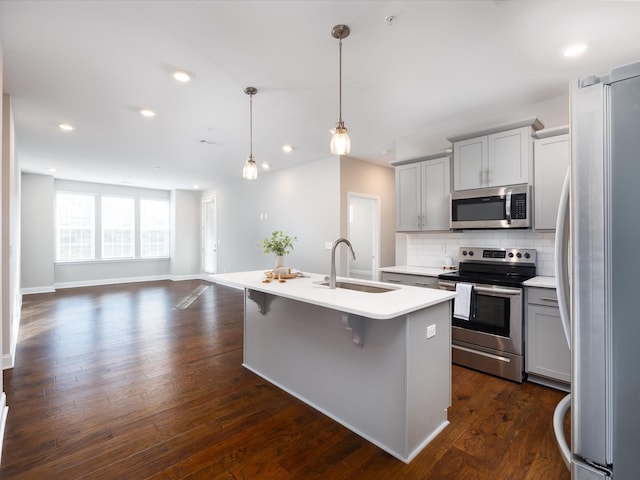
(251,126)
(340,83)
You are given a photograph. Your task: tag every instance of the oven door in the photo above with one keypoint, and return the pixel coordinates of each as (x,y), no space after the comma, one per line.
(495,319)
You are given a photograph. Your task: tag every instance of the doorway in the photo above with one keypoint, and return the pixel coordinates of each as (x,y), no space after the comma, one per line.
(209,236)
(363,231)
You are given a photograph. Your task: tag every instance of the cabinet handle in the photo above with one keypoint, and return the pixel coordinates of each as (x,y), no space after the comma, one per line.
(420,284)
(393,280)
(549,299)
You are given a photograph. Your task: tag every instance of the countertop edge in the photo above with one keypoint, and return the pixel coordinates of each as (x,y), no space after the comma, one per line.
(347,301)
(541,281)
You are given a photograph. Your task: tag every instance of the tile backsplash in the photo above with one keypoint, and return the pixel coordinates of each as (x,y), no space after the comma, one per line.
(431,249)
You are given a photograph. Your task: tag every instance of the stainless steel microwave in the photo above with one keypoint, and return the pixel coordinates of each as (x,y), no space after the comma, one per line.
(494,207)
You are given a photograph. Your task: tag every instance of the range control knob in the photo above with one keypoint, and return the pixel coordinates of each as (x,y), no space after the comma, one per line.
(464,253)
(510,254)
(527,255)
(471,253)
(519,255)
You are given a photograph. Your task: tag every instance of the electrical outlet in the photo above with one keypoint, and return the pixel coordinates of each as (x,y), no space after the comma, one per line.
(431,331)
(328,245)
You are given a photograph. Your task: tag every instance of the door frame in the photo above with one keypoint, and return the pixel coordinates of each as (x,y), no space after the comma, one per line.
(205,200)
(375,240)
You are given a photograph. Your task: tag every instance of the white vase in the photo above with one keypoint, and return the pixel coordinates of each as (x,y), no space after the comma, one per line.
(279,268)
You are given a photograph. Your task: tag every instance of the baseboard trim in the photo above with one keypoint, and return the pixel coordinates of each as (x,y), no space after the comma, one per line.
(34,290)
(179,278)
(4,411)
(111,281)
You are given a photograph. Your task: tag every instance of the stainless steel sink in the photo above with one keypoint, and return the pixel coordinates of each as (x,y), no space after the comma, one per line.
(360,287)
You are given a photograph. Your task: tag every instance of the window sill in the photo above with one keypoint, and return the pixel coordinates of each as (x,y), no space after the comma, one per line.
(111,260)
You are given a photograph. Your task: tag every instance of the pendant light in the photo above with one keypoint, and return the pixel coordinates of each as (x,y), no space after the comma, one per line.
(340,142)
(250,171)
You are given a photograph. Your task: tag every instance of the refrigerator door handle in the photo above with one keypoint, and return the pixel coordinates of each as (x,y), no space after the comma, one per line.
(562,288)
(559,415)
(561,258)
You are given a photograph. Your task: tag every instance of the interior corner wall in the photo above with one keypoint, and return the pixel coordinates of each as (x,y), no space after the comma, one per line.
(37,242)
(186,238)
(367,178)
(302,201)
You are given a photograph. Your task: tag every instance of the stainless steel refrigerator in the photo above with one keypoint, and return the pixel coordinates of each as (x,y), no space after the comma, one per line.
(598,274)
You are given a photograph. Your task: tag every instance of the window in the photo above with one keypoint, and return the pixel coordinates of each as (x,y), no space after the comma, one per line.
(108,227)
(118,227)
(75,227)
(154,228)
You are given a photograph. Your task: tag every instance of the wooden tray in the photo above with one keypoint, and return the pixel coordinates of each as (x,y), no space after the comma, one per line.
(284,276)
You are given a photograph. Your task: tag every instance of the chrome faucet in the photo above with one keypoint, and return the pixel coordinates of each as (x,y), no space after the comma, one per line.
(332,277)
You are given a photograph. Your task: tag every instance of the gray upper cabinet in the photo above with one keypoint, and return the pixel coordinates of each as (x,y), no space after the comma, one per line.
(423,187)
(494,157)
(551,160)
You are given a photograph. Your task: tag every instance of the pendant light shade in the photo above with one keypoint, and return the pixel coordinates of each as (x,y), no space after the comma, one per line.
(250,171)
(340,141)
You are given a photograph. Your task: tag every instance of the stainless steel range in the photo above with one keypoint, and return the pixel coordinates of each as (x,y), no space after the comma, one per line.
(491,340)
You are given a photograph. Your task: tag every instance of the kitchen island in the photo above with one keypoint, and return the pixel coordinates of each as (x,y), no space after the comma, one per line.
(378,363)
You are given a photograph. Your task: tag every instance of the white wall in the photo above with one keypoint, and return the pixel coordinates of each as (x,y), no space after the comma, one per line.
(3,397)
(37,243)
(303,201)
(366,178)
(40,273)
(11,295)
(185,234)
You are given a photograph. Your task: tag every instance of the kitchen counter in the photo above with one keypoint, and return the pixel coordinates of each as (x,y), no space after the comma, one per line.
(541,281)
(381,306)
(415,270)
(377,363)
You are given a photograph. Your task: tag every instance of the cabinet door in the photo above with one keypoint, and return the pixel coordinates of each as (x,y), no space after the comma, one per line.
(547,351)
(408,199)
(509,157)
(551,160)
(436,191)
(469,163)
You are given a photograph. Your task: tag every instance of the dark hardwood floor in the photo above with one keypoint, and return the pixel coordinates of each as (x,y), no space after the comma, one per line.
(145,381)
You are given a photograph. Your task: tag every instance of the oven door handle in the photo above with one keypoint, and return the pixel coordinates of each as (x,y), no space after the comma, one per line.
(498,291)
(507,207)
(492,290)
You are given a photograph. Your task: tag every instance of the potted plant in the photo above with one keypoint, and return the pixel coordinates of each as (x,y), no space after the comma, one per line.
(280,244)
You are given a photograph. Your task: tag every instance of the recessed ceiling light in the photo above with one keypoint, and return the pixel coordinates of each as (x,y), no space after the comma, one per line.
(181,76)
(287,148)
(266,166)
(51,170)
(145,112)
(66,127)
(196,187)
(575,50)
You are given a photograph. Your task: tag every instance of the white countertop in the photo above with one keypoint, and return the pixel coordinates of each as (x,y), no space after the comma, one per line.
(415,270)
(401,300)
(541,281)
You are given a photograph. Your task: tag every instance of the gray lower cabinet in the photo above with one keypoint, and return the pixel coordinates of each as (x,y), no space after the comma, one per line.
(407,279)
(547,355)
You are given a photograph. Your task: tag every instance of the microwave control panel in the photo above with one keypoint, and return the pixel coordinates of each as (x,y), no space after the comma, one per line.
(519,206)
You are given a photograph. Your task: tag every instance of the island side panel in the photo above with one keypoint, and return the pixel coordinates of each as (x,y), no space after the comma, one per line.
(428,375)
(307,350)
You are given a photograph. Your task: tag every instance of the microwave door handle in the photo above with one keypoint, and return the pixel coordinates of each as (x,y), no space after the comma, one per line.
(507,207)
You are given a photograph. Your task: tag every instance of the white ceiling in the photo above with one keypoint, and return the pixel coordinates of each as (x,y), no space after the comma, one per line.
(440,67)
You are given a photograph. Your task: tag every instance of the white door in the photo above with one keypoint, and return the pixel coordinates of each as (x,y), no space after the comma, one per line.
(364,234)
(209,236)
